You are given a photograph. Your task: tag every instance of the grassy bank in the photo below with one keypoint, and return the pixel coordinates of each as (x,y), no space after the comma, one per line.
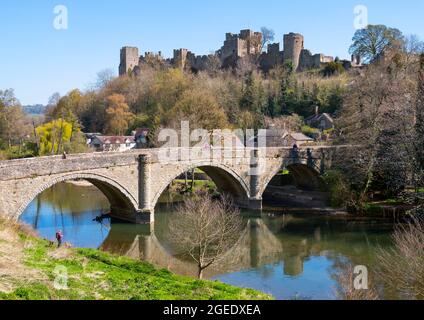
(29,267)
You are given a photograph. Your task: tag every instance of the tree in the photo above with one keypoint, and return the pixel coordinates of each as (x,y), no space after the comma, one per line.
(253,97)
(291,123)
(333,68)
(419,123)
(373,41)
(104,77)
(205,229)
(2,118)
(118,115)
(8,99)
(54,99)
(14,124)
(377,119)
(268,36)
(201,109)
(53,136)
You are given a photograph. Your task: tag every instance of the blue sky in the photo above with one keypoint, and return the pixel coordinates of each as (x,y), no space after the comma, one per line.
(38,60)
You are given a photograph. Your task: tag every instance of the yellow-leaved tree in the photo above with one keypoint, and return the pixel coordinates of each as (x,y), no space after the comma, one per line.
(53,136)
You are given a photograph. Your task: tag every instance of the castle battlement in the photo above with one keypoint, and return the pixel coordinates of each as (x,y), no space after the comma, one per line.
(247,43)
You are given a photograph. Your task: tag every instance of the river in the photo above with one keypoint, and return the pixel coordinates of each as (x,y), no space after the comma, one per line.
(291,255)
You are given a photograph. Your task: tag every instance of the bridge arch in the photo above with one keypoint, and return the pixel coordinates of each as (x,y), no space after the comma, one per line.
(225,178)
(304,176)
(118,196)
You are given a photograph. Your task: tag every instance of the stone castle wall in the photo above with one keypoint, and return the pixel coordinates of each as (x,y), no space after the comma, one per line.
(236,46)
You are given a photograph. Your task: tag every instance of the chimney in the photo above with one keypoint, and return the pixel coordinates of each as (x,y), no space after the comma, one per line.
(316,110)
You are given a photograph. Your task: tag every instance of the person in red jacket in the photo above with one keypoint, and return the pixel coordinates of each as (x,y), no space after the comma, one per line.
(59,238)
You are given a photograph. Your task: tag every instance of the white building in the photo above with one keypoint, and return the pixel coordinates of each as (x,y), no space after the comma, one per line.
(112,143)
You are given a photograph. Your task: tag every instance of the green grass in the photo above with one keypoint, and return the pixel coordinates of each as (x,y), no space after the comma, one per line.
(378,207)
(93,274)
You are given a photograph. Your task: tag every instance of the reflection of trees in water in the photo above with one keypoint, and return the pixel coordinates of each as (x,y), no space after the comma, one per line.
(356,238)
(74,199)
(66,199)
(256,246)
(287,239)
(343,273)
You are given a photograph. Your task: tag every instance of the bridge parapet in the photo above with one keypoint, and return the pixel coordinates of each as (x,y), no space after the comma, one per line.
(23,168)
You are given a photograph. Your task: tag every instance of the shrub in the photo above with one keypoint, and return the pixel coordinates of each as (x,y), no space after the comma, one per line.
(333,68)
(402,268)
(340,193)
(310,132)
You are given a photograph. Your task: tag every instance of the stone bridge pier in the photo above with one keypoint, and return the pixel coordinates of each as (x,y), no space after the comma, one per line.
(134,181)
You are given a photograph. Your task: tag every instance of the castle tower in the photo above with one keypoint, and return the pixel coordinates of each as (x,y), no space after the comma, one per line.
(129,60)
(180,58)
(293,46)
(253,41)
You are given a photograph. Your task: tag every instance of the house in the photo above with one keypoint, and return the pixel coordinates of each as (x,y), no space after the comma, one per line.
(298,139)
(275,137)
(112,143)
(90,137)
(322,121)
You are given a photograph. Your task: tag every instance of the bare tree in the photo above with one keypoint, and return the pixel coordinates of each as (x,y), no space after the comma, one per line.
(104,77)
(413,45)
(377,118)
(268,35)
(419,126)
(205,229)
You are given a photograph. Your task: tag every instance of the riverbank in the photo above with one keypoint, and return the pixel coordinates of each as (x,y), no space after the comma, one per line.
(32,268)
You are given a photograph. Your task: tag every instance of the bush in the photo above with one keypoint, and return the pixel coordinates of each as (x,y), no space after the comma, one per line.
(16,152)
(333,68)
(340,193)
(310,132)
(401,268)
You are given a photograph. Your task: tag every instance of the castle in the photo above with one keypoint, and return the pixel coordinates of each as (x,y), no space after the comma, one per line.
(236,46)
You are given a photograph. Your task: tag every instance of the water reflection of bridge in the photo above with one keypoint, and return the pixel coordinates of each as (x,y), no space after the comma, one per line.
(257,247)
(263,242)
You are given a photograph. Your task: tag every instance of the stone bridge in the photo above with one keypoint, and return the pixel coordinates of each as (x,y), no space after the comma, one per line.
(134,181)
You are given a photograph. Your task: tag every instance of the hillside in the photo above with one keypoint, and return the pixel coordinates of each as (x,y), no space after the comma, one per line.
(29,267)
(37,109)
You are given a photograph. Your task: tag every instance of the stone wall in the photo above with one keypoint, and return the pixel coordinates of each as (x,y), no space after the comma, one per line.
(236,46)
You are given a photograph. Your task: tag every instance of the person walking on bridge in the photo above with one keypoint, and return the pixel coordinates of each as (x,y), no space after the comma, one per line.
(295,151)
